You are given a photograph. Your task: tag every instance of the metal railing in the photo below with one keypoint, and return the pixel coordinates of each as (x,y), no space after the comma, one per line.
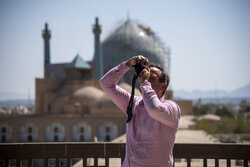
(106,151)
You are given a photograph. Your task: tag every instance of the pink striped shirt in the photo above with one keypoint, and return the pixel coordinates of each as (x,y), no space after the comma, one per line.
(150,135)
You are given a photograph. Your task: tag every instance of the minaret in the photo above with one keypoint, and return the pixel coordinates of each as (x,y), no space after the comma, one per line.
(46,37)
(98,66)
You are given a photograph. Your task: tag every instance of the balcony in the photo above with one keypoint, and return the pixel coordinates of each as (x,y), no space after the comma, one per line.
(103,154)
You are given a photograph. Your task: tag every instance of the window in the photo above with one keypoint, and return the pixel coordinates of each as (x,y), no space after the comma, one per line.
(107,129)
(55,135)
(56,129)
(82,129)
(55,138)
(3,129)
(30,130)
(3,138)
(30,138)
(107,138)
(81,138)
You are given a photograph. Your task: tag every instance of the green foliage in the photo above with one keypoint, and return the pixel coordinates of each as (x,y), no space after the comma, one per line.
(223,112)
(225,125)
(229,122)
(200,110)
(241,125)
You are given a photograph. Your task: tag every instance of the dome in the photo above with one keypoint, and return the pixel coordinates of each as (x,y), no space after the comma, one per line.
(210,117)
(105,104)
(82,99)
(132,39)
(88,93)
(128,88)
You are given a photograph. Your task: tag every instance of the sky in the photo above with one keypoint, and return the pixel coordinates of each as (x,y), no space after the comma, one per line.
(209,39)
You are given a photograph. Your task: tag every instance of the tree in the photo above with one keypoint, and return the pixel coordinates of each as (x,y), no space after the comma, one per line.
(223,112)
(241,126)
(200,110)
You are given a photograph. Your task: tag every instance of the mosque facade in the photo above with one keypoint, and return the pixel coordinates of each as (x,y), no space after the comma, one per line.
(69,103)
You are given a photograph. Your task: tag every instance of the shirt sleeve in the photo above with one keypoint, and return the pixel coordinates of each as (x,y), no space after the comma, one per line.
(167,112)
(109,85)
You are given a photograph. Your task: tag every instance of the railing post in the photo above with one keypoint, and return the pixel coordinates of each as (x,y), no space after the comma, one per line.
(30,162)
(228,162)
(106,162)
(122,159)
(245,163)
(18,162)
(188,162)
(204,162)
(46,162)
(7,163)
(57,162)
(68,162)
(216,162)
(95,161)
(84,162)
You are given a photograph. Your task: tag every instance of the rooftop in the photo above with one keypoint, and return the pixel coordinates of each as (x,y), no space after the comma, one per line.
(78,62)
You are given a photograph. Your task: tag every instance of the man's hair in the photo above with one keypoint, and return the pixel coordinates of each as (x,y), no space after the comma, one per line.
(164,77)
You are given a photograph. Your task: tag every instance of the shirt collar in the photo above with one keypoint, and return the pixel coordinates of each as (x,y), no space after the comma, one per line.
(162,98)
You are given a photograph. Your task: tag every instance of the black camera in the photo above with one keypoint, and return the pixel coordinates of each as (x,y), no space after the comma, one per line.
(138,68)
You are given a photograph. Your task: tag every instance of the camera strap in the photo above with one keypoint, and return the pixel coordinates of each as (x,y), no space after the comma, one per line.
(131,100)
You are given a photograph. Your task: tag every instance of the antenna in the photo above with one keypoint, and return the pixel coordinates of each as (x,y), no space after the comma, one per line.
(29,103)
(128,16)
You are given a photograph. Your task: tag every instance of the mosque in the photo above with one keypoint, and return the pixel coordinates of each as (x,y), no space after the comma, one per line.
(69,103)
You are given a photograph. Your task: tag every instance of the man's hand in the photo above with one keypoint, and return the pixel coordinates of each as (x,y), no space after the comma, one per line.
(136,59)
(144,75)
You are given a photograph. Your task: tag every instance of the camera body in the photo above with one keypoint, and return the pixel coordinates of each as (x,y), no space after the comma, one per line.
(138,68)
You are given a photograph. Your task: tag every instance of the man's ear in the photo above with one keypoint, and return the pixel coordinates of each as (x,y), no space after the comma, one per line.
(163,86)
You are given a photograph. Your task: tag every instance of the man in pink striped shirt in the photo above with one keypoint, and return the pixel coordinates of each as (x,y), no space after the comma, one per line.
(150,135)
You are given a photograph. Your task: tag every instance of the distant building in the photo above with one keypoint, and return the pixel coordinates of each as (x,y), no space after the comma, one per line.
(70,105)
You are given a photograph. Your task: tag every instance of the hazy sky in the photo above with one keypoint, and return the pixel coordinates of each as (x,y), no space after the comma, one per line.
(209,39)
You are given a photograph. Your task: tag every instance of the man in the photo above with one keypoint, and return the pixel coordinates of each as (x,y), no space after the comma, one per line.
(151,133)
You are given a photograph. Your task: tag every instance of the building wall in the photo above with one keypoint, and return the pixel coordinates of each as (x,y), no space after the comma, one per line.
(43,88)
(186,106)
(52,94)
(44,126)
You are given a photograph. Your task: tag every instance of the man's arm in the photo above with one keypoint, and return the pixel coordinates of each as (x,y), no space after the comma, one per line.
(109,85)
(166,112)
(109,82)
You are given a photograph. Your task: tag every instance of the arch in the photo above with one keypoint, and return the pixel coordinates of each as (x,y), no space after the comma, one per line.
(55,132)
(5,132)
(28,132)
(107,131)
(81,132)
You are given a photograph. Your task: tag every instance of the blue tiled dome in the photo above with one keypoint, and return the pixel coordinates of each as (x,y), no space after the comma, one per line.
(132,39)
